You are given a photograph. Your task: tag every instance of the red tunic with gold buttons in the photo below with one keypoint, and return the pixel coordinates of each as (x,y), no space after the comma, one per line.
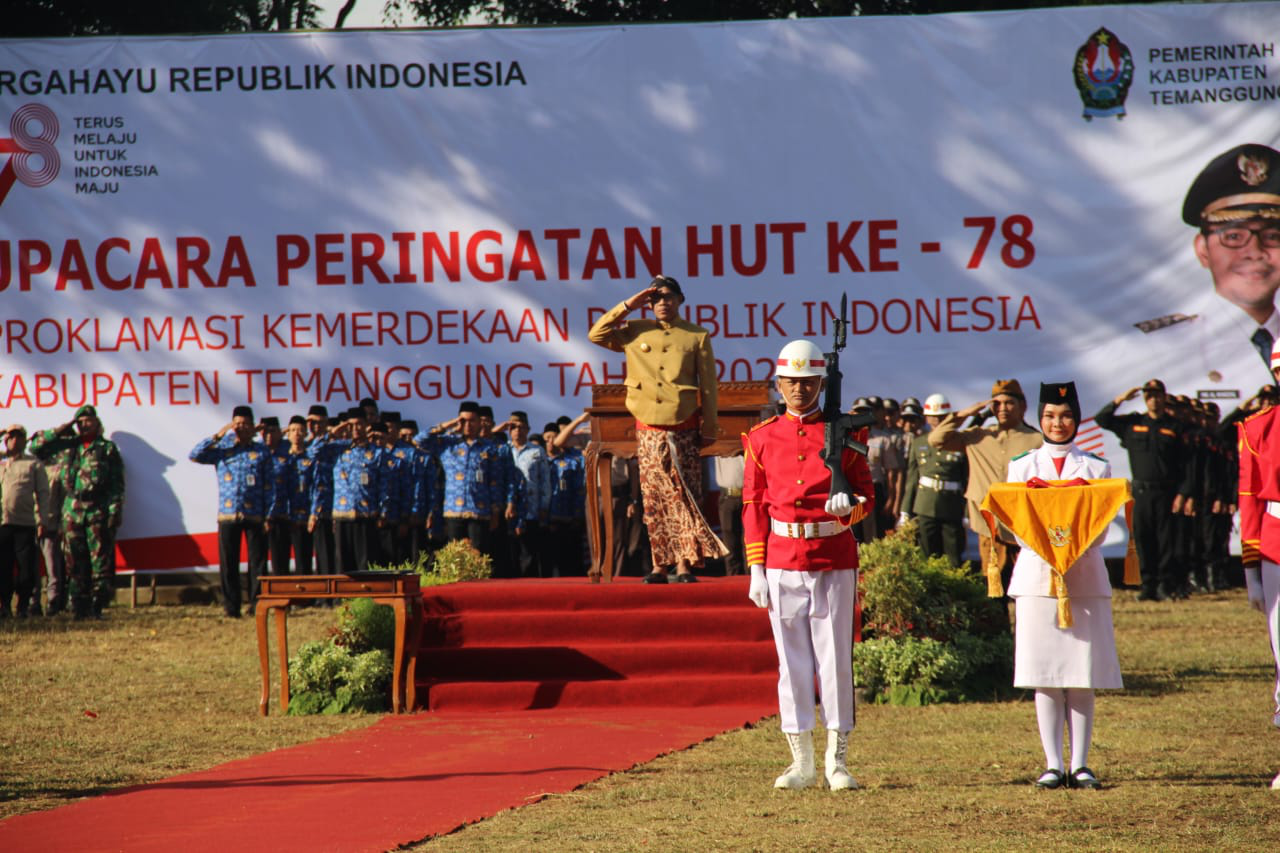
(785,479)
(1259,486)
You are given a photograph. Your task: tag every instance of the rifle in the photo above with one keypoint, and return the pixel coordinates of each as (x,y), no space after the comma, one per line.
(841,428)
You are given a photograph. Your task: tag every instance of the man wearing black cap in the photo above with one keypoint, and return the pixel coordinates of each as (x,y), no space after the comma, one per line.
(672,392)
(364,499)
(92,506)
(317,422)
(1161,481)
(473,501)
(279,535)
(298,483)
(1225,338)
(244,495)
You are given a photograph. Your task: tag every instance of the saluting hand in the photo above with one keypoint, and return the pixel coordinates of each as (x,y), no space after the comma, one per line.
(639,300)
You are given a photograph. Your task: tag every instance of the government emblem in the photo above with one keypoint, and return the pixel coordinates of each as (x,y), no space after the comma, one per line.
(1059,535)
(1103,74)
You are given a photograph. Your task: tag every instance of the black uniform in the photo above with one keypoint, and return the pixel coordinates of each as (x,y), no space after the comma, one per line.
(1157,460)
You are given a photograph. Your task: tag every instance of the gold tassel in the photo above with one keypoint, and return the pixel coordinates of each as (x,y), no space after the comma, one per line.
(1132,576)
(1058,587)
(995,588)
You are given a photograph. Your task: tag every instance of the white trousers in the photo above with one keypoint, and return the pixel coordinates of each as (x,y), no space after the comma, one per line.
(1271,608)
(812,618)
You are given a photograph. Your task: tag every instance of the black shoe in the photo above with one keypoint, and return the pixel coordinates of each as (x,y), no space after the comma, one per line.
(1051,779)
(656,577)
(1084,779)
(35,609)
(688,577)
(55,607)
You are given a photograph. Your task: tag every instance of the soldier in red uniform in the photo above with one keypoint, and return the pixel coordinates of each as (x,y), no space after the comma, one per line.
(1260,523)
(804,561)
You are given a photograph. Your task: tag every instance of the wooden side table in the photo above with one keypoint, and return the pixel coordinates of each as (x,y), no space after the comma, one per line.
(400,590)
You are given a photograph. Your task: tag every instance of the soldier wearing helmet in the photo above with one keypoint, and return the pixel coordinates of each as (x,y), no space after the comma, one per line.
(804,559)
(935,487)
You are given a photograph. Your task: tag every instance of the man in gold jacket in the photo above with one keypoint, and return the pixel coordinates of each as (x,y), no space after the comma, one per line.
(671,391)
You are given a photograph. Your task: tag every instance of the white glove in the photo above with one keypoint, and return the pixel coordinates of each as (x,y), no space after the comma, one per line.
(1253,583)
(759,591)
(839,505)
(903,518)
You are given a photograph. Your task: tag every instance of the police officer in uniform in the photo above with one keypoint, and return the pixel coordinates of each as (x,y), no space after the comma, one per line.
(936,482)
(1159,465)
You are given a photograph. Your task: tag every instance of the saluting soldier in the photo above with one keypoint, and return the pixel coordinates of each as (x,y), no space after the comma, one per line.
(804,560)
(989,450)
(934,495)
(1161,474)
(92,506)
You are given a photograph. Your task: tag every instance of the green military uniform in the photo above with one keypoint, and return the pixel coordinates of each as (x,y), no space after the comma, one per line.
(92,480)
(934,495)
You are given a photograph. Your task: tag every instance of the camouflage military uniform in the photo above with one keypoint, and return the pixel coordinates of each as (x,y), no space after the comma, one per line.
(92,479)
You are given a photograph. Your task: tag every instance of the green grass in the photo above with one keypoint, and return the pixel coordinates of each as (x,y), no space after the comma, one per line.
(1185,751)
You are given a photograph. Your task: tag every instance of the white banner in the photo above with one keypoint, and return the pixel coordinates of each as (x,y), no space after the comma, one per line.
(187,224)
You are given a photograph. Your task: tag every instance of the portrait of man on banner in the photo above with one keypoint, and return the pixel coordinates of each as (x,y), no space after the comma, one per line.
(1223,340)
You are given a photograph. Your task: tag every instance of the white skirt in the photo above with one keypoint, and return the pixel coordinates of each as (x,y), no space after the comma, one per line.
(1083,655)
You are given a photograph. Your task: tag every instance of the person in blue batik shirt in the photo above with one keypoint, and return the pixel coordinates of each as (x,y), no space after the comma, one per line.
(473,496)
(298,483)
(244,494)
(567,507)
(363,495)
(421,490)
(510,486)
(533,503)
(278,539)
(401,455)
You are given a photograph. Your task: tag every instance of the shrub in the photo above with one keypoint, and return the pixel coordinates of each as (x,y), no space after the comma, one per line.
(459,561)
(930,632)
(326,678)
(364,625)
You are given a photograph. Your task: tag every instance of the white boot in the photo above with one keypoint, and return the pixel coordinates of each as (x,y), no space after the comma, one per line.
(802,773)
(1275,783)
(838,776)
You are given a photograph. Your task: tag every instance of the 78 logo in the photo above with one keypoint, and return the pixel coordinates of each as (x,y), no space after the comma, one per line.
(22,146)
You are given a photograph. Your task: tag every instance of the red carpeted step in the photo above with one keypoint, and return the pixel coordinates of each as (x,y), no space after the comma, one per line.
(597,661)
(523,644)
(538,627)
(627,693)
(579,594)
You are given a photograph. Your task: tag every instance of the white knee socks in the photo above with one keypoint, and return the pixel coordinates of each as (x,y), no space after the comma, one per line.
(1051,715)
(1080,725)
(1073,708)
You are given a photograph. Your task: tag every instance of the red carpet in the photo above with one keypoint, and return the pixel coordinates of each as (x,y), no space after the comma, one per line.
(399,781)
(528,644)
(610,661)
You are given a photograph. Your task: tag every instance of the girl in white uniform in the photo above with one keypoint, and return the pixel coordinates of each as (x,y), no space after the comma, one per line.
(1063,665)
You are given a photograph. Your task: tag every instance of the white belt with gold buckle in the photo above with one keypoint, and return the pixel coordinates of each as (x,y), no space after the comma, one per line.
(806,530)
(941,485)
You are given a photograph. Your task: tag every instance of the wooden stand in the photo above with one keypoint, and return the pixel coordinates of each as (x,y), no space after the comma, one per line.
(400,590)
(742,405)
